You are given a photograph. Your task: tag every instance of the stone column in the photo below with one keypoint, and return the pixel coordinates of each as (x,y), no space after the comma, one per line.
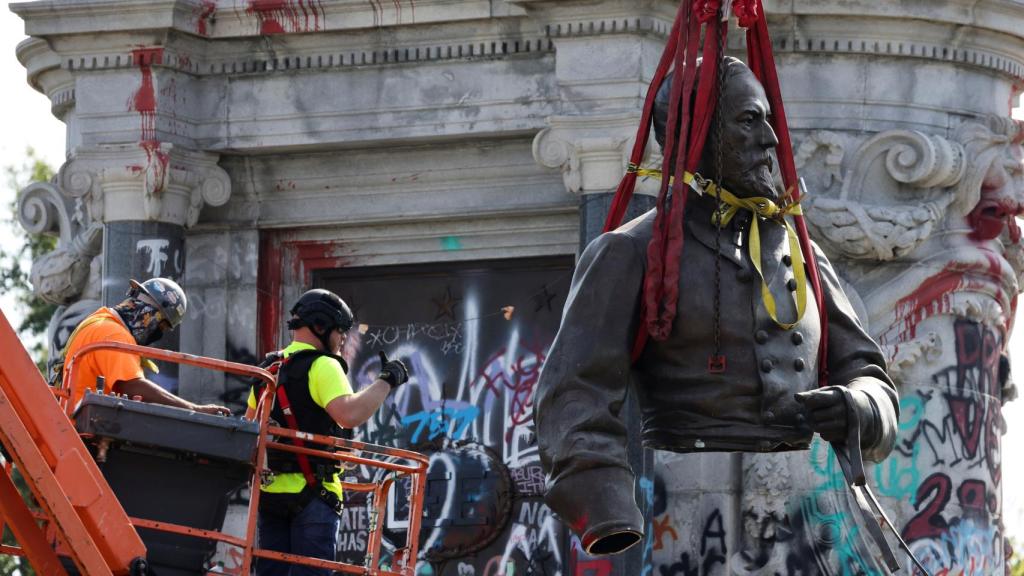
(899,119)
(146,196)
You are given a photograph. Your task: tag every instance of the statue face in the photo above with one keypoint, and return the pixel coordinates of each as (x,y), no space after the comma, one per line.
(1002,197)
(748,141)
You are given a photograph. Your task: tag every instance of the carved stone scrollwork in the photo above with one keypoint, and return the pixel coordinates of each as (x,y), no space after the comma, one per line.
(910,157)
(591,151)
(907,166)
(60,276)
(553,152)
(43,209)
(858,231)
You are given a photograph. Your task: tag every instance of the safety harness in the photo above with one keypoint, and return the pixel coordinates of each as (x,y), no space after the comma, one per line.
(283,367)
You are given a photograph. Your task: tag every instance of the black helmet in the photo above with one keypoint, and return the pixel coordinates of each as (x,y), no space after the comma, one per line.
(166,294)
(321,308)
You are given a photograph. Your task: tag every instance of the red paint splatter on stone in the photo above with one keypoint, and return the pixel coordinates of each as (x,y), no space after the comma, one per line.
(206,10)
(308,256)
(282,16)
(144,99)
(990,216)
(932,297)
(156,163)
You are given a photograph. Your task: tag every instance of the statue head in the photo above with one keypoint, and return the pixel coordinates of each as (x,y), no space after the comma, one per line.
(747,139)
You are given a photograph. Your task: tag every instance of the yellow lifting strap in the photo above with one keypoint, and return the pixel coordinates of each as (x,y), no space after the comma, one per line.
(761,208)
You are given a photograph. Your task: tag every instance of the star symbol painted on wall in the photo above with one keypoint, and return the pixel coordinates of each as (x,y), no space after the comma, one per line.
(446,304)
(543,300)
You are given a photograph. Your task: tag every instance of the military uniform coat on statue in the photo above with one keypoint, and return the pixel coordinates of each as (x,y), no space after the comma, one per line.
(750,407)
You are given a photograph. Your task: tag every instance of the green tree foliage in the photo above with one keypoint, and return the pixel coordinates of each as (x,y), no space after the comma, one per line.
(1015,564)
(16,260)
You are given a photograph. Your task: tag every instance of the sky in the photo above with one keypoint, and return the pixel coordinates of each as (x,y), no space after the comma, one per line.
(27,122)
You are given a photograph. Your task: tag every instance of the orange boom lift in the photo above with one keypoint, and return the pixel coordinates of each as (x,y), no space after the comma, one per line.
(74,521)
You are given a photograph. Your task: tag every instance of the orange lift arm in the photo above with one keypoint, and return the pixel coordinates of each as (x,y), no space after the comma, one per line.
(75,500)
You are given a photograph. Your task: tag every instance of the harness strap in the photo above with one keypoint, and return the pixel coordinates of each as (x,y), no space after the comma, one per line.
(83,324)
(289,416)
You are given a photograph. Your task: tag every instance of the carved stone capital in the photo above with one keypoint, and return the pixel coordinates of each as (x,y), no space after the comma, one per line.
(893,195)
(591,151)
(149,181)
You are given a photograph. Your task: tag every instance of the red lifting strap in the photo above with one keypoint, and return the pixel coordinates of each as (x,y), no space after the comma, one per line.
(661,286)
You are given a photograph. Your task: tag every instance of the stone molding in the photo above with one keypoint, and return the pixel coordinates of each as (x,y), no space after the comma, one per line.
(232,18)
(148,181)
(786,42)
(591,151)
(196,64)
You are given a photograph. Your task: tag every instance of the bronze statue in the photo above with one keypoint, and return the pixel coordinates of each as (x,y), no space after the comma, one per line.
(766,400)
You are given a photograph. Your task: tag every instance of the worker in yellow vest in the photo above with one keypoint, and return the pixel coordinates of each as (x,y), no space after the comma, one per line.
(151,309)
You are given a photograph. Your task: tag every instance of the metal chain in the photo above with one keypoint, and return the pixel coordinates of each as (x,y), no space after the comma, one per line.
(716,360)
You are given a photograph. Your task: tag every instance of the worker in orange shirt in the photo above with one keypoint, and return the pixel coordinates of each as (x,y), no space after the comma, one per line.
(152,308)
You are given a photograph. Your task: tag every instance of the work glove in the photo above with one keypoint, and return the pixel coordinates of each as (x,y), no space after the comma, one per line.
(393,372)
(829,414)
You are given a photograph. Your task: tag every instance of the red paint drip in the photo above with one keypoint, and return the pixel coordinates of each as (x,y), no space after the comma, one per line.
(156,162)
(206,11)
(144,99)
(378,12)
(931,298)
(282,16)
(268,302)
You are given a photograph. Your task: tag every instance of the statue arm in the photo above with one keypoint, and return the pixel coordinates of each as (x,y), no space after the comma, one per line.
(856,361)
(581,437)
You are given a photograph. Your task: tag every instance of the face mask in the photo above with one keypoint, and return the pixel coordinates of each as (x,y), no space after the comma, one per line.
(142,319)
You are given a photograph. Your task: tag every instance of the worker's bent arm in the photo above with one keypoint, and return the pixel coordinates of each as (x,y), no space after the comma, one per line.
(353,410)
(150,391)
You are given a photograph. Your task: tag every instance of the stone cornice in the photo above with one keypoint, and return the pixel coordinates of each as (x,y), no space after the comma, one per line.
(236,18)
(878,31)
(858,34)
(1005,16)
(45,74)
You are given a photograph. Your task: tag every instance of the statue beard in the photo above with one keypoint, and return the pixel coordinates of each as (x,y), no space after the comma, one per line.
(758,179)
(141,319)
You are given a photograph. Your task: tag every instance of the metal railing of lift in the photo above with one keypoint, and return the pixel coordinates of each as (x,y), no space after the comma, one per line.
(351,452)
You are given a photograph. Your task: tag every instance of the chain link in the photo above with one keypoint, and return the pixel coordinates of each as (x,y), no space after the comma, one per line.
(717,363)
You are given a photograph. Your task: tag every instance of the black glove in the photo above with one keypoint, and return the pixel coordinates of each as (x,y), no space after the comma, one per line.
(393,372)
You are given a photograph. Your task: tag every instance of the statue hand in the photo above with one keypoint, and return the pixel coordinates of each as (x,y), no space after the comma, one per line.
(826,411)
